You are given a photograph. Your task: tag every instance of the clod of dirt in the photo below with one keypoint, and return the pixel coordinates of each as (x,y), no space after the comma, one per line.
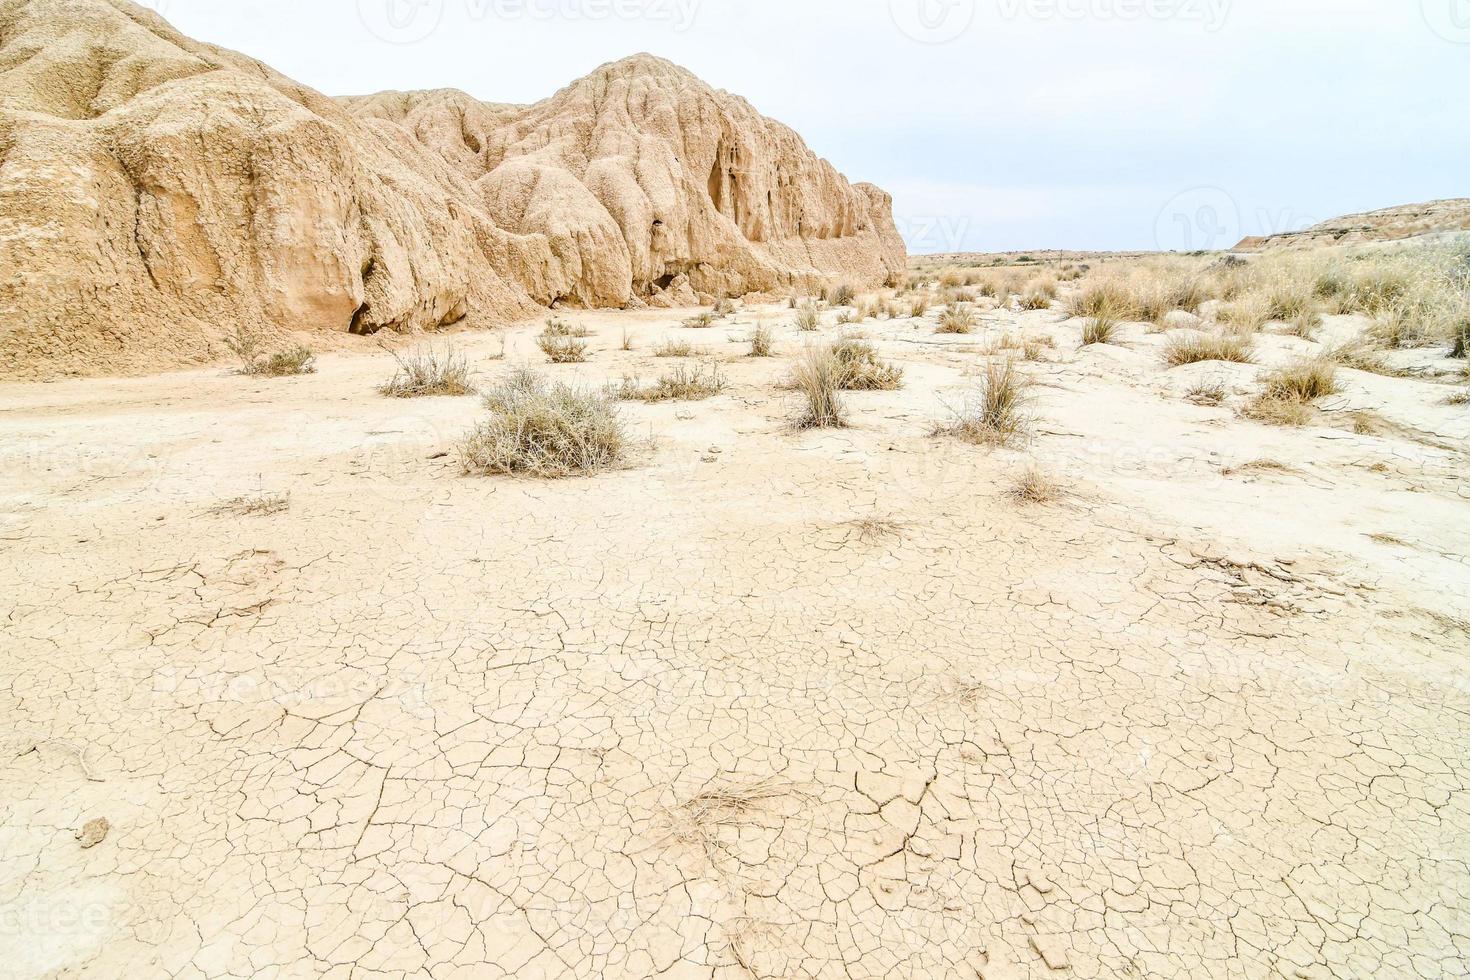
(93,832)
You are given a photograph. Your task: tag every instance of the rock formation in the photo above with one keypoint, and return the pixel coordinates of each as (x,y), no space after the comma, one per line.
(1387,225)
(155,192)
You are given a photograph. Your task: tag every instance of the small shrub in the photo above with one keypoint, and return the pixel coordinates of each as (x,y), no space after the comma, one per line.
(1035,301)
(1246,315)
(1359,356)
(761,341)
(674,348)
(1207,393)
(959,318)
(283,364)
(724,308)
(1461,397)
(561,328)
(918,306)
(544,430)
(994,414)
(1288,300)
(684,384)
(1034,486)
(863,369)
(247,344)
(1107,298)
(808,318)
(562,350)
(1100,329)
(1191,348)
(1305,380)
(818,376)
(700,321)
(839,295)
(429,371)
(1278,411)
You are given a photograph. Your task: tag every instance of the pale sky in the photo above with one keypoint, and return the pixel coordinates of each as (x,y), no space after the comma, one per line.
(996,124)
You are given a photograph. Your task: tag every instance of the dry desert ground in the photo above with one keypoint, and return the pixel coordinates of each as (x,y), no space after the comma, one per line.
(759,701)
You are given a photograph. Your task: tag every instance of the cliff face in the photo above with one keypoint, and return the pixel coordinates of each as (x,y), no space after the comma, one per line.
(641,177)
(1387,225)
(155,192)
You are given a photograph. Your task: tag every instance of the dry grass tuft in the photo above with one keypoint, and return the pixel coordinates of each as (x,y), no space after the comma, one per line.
(1461,397)
(818,376)
(1258,466)
(284,364)
(248,346)
(959,318)
(674,348)
(697,821)
(871,529)
(700,320)
(841,294)
(561,328)
(429,371)
(259,505)
(1100,329)
(918,306)
(1304,380)
(545,430)
(1034,486)
(863,369)
(762,341)
(1207,393)
(1105,298)
(685,383)
(1192,348)
(808,318)
(562,350)
(994,413)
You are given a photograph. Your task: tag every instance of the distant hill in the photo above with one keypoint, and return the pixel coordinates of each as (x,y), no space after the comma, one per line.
(1388,225)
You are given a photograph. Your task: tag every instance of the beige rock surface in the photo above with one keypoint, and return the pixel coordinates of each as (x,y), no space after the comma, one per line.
(1385,225)
(155,192)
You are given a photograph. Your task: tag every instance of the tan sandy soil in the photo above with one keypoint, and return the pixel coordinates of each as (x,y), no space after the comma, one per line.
(711,716)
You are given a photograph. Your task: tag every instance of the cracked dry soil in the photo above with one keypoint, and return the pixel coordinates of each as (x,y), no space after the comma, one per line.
(765,704)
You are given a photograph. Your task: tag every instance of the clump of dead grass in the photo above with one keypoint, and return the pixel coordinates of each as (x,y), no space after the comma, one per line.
(248,346)
(1290,391)
(674,348)
(545,430)
(1193,347)
(427,372)
(818,377)
(560,328)
(762,341)
(685,383)
(1101,328)
(994,412)
(958,318)
(808,318)
(257,505)
(562,350)
(1208,393)
(863,369)
(1034,486)
(697,821)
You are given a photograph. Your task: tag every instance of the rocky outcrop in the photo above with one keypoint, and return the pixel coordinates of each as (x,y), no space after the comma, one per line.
(1387,225)
(156,191)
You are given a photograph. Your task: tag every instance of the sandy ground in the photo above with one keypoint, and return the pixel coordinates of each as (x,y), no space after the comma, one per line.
(765,704)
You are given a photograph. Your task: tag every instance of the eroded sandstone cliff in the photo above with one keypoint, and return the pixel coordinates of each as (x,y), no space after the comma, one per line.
(156,191)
